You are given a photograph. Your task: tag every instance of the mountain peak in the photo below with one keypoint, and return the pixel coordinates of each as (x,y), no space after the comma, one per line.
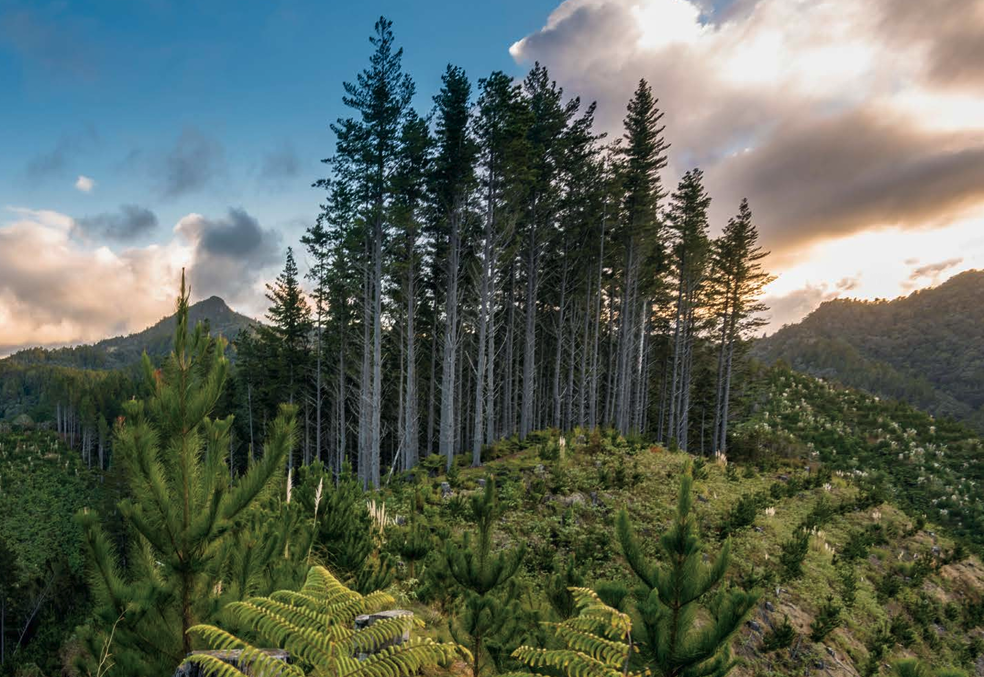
(212,304)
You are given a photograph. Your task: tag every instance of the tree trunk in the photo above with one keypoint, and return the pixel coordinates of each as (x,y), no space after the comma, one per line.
(447,427)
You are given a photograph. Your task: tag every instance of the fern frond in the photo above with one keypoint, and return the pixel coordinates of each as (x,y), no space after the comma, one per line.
(309,644)
(214,667)
(607,651)
(402,660)
(572,663)
(379,634)
(259,661)
(591,606)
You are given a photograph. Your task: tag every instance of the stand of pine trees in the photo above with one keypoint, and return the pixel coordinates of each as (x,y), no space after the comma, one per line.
(492,268)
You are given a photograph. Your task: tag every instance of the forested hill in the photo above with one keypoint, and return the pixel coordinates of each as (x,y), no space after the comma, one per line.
(924,348)
(122,351)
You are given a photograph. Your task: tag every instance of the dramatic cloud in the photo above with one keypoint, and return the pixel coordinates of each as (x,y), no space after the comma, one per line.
(129,223)
(190,165)
(809,109)
(84,184)
(55,290)
(229,254)
(834,118)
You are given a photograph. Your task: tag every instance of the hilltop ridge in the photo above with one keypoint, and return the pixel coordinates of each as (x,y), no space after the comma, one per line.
(924,348)
(121,351)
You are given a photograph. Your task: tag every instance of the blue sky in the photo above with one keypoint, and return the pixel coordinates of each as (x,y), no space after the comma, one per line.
(107,89)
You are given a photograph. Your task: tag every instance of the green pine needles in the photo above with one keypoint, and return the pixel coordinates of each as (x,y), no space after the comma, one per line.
(488,619)
(685,616)
(182,510)
(597,642)
(315,625)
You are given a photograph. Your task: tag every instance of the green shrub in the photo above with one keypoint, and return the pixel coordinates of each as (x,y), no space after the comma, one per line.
(827,620)
(793,555)
(780,637)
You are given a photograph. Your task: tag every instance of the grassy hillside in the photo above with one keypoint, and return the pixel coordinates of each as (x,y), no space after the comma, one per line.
(857,519)
(923,348)
(932,467)
(916,593)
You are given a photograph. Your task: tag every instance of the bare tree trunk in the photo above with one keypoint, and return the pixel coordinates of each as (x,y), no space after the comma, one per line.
(431,388)
(411,437)
(375,432)
(509,380)
(558,357)
(483,319)
(727,397)
(490,413)
(529,341)
(715,438)
(447,428)
(364,381)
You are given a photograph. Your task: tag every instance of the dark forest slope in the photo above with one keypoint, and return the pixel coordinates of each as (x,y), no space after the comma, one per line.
(926,348)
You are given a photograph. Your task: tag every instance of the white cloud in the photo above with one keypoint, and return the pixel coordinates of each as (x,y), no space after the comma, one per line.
(838,119)
(57,288)
(84,184)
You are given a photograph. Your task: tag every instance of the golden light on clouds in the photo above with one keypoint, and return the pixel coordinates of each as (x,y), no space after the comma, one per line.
(856,129)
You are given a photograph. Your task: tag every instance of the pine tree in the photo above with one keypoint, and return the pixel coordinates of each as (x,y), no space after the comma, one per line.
(344,536)
(317,241)
(409,184)
(289,328)
(643,155)
(487,621)
(181,510)
(675,589)
(452,182)
(738,280)
(367,154)
(687,220)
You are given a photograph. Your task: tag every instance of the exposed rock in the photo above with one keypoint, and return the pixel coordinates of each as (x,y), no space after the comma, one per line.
(446,490)
(576,498)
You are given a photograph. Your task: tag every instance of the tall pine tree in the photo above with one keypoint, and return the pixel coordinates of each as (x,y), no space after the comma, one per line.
(181,510)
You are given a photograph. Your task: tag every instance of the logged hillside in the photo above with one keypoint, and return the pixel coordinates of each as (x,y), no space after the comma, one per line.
(42,485)
(841,510)
(872,584)
(925,348)
(932,467)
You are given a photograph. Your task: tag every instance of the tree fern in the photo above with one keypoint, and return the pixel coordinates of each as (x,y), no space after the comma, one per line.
(597,642)
(316,626)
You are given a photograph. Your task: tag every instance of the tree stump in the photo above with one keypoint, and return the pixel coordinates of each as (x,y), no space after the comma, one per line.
(366,620)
